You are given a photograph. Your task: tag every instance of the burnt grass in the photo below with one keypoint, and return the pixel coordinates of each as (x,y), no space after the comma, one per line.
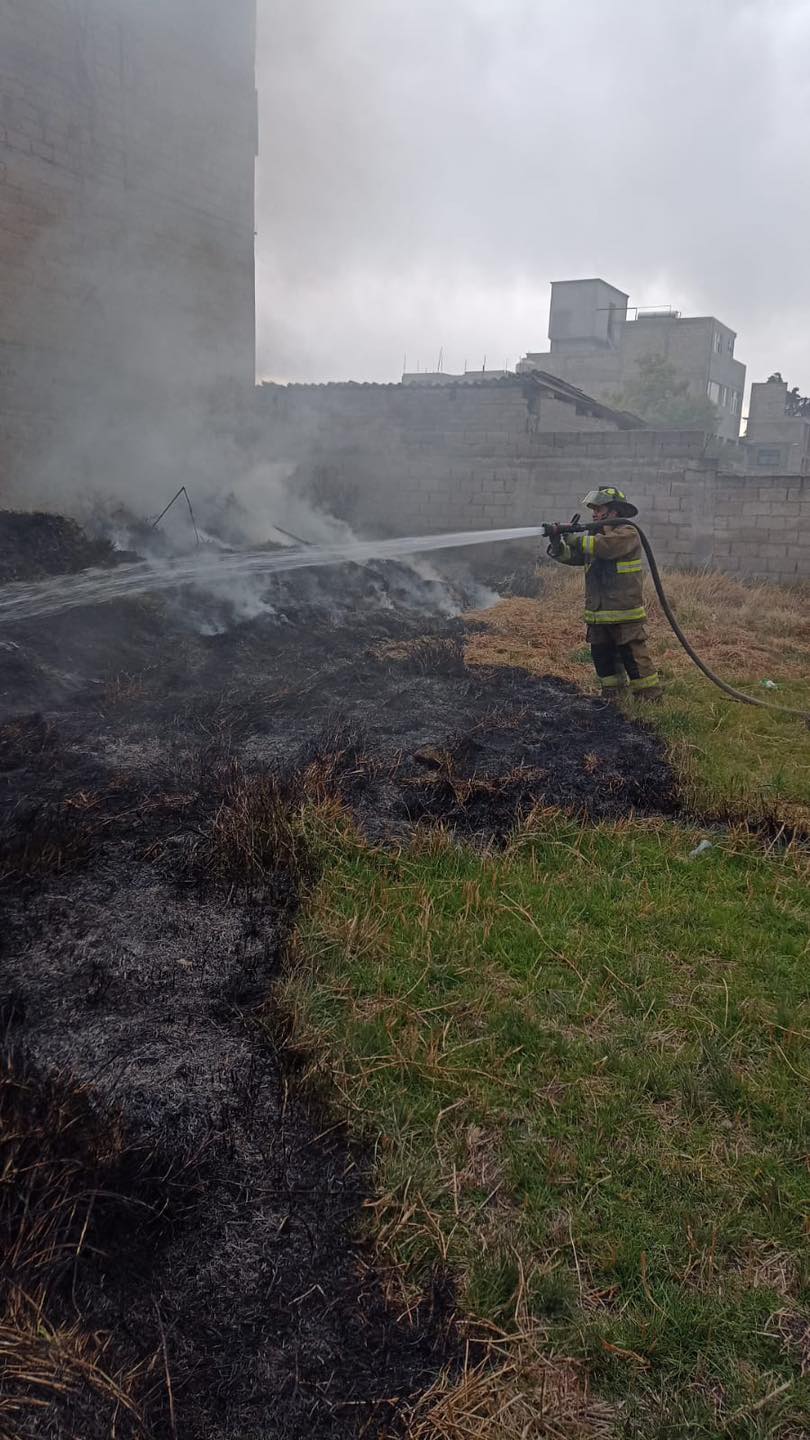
(168,1188)
(33,546)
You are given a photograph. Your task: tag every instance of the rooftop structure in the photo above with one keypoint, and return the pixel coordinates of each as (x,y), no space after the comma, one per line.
(777,437)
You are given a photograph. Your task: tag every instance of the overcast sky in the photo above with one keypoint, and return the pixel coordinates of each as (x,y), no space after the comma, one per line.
(427,167)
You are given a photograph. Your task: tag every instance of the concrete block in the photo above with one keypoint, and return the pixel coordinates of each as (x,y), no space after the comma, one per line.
(773,552)
(785,509)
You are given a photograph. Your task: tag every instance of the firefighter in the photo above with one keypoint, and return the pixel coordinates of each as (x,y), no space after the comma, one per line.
(614,602)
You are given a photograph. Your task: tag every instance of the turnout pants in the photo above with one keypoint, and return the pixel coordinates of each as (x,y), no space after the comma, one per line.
(621,657)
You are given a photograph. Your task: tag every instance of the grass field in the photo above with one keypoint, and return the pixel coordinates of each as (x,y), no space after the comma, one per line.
(582,1064)
(732,759)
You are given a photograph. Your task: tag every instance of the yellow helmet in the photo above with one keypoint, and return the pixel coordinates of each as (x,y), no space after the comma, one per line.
(609,495)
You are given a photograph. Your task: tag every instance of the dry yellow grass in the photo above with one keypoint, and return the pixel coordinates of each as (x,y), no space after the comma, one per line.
(753,631)
(44,1368)
(59,1160)
(512,1388)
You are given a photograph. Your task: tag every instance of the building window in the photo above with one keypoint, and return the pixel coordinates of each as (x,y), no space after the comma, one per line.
(713,392)
(723,396)
(730,345)
(735,402)
(769,458)
(718,342)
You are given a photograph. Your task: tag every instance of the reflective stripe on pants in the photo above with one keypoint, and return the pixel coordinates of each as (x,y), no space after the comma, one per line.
(615,617)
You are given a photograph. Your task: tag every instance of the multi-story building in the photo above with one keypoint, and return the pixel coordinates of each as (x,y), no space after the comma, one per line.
(128,137)
(596,345)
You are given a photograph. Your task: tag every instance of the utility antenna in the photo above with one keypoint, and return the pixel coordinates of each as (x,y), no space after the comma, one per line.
(440,365)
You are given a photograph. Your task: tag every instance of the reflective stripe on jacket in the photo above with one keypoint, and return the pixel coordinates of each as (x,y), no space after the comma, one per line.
(614,573)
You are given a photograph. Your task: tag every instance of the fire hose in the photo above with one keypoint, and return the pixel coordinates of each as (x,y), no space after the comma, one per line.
(575,527)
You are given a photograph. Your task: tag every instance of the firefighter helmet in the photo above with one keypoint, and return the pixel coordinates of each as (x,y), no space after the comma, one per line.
(609,495)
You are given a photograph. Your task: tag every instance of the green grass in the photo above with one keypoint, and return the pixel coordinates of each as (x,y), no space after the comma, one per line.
(736,759)
(583,1067)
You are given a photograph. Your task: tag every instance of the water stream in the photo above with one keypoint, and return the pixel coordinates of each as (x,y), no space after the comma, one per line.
(26,601)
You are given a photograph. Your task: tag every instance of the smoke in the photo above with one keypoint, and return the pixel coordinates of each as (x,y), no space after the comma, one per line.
(128,319)
(266,505)
(132,313)
(132,318)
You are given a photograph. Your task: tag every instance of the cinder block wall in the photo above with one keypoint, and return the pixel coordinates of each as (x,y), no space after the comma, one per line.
(762,528)
(127,152)
(418,462)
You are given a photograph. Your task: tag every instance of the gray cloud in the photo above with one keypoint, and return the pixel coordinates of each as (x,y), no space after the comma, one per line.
(427,169)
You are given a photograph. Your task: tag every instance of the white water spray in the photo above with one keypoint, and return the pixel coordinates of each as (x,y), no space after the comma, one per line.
(96,587)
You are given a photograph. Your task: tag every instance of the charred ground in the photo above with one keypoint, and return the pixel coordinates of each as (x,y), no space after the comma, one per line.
(188,1202)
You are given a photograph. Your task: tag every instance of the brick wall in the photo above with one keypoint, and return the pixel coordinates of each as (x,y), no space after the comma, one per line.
(407,461)
(127,153)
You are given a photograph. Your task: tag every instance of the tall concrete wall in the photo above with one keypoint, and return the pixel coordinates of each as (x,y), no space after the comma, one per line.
(409,461)
(128,137)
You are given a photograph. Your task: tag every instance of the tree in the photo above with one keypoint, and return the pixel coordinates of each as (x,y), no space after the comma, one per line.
(659,395)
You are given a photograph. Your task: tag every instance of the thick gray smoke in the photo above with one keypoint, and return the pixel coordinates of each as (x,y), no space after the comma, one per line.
(132,322)
(133,318)
(127,328)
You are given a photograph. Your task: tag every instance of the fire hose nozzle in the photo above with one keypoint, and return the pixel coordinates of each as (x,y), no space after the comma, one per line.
(566,527)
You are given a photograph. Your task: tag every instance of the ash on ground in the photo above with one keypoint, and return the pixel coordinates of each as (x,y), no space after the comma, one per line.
(150,756)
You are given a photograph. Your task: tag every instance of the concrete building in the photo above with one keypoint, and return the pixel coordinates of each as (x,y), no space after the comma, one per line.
(596,344)
(128,137)
(776,441)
